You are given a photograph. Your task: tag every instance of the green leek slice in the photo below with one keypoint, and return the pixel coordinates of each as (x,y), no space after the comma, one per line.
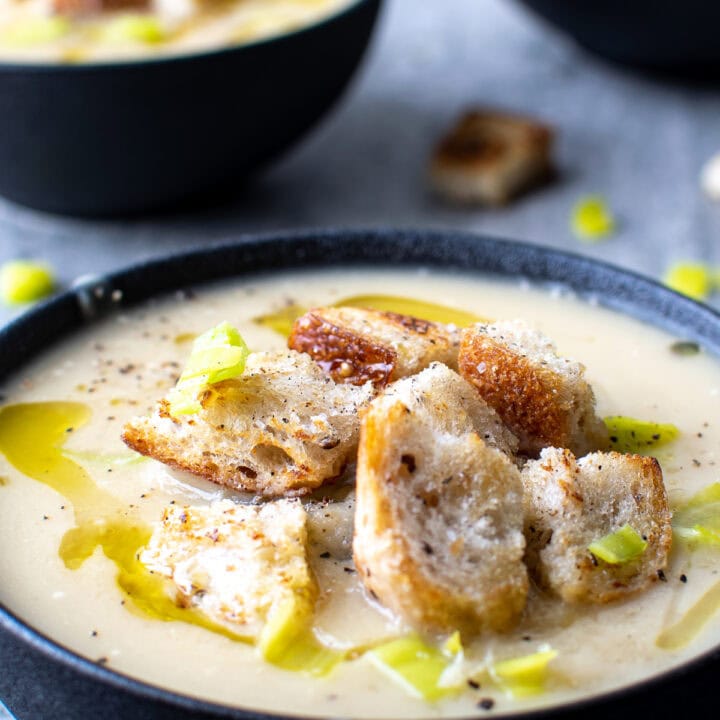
(287,641)
(692,279)
(134,28)
(218,354)
(415,665)
(699,519)
(35,31)
(689,626)
(592,219)
(630,435)
(619,547)
(24,281)
(524,676)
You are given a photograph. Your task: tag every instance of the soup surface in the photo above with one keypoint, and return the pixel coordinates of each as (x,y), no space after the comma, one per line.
(85,598)
(82,31)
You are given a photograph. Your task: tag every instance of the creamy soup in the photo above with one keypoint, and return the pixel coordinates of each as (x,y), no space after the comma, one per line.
(92,602)
(102,30)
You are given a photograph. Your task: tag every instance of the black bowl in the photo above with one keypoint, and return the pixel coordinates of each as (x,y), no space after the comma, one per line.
(653,34)
(40,679)
(126,137)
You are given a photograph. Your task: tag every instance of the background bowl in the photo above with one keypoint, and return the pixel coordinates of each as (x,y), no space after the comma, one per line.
(653,34)
(40,680)
(125,137)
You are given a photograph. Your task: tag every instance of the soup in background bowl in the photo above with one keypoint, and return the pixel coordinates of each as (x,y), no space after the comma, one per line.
(93,31)
(70,487)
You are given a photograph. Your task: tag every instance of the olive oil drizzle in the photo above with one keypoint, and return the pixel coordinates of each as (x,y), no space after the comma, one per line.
(282,320)
(31,438)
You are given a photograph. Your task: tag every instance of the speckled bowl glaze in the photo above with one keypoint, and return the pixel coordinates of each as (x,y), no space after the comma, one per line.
(40,679)
(119,138)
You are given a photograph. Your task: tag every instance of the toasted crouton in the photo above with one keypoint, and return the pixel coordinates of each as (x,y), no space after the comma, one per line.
(542,397)
(490,157)
(354,345)
(281,428)
(438,526)
(86,7)
(234,563)
(569,504)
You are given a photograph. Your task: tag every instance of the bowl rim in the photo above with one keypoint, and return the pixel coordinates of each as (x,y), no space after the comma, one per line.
(304,250)
(212,53)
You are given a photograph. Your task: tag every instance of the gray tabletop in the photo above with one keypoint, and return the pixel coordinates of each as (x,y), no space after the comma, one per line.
(638,141)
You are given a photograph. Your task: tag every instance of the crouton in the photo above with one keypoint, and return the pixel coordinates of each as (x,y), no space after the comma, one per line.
(354,345)
(490,157)
(234,563)
(570,504)
(438,525)
(281,428)
(542,397)
(87,7)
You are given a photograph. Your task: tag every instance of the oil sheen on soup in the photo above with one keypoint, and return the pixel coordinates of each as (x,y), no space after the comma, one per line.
(77,507)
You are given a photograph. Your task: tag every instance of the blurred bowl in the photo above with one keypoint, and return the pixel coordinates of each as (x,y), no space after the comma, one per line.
(125,137)
(653,34)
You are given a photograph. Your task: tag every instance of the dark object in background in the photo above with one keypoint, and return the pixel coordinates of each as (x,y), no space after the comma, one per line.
(41,680)
(678,36)
(127,137)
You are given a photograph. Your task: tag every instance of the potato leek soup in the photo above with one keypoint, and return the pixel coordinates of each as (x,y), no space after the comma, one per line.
(513,546)
(104,30)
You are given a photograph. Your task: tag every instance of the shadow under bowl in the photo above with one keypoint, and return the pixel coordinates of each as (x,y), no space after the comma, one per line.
(121,138)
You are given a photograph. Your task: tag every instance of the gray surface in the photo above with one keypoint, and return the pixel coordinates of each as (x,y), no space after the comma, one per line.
(637,141)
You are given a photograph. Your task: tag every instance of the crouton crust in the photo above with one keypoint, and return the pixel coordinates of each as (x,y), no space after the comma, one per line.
(545,403)
(356,345)
(281,428)
(571,503)
(438,536)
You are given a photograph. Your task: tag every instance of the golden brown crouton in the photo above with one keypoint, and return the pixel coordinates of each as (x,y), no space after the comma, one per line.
(234,563)
(569,504)
(490,157)
(438,525)
(86,7)
(354,345)
(281,428)
(542,397)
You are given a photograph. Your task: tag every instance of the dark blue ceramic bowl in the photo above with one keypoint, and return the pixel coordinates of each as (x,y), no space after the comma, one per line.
(40,680)
(127,137)
(665,35)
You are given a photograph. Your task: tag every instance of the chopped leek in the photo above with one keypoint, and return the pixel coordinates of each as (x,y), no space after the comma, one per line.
(35,30)
(629,435)
(689,626)
(619,547)
(453,645)
(415,665)
(524,676)
(218,354)
(692,279)
(24,281)
(134,28)
(699,519)
(591,219)
(287,641)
